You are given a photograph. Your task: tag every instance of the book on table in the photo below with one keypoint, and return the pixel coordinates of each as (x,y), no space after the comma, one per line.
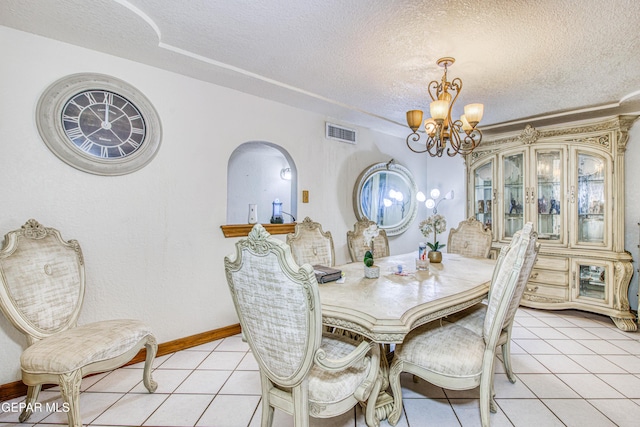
(326,274)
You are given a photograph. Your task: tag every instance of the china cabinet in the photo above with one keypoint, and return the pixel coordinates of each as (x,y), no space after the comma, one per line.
(569,182)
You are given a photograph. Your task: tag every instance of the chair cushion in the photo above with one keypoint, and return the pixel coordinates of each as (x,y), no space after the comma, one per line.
(77,347)
(328,387)
(471,318)
(438,348)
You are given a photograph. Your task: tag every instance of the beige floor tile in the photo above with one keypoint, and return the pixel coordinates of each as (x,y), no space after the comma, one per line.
(224,360)
(596,364)
(204,381)
(230,411)
(242,382)
(547,386)
(589,386)
(185,360)
(528,413)
(628,385)
(560,363)
(131,410)
(577,413)
(623,412)
(180,410)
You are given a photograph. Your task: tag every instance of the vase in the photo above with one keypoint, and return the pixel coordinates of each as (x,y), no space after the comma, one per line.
(372,272)
(435,256)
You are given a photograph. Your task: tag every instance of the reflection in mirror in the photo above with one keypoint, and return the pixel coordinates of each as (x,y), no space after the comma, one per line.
(386,194)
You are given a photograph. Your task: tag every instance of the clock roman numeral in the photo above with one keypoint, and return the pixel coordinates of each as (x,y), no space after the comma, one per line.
(78,106)
(90,97)
(104,152)
(86,145)
(70,119)
(137,131)
(74,133)
(133,143)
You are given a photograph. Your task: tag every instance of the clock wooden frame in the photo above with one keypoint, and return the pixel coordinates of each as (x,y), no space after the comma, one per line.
(49,122)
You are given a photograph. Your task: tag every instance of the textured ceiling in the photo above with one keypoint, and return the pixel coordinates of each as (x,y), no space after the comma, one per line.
(367,62)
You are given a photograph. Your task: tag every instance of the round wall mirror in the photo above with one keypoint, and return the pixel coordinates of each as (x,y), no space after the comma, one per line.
(386,194)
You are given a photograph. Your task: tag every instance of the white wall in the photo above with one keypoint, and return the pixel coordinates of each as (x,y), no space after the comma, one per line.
(151,239)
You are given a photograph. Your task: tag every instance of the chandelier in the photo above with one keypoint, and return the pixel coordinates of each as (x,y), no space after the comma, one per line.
(441,131)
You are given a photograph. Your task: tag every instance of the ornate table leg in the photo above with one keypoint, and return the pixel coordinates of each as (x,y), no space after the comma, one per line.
(384,401)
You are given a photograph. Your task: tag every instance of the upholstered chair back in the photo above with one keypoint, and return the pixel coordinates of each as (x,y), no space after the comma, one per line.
(470,239)
(356,243)
(511,275)
(42,281)
(278,305)
(311,245)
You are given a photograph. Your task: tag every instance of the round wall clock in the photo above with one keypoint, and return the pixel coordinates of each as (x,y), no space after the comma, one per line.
(98,124)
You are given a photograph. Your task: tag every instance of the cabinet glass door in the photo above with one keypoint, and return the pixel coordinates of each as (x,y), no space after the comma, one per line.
(513,193)
(549,192)
(591,198)
(483,193)
(592,281)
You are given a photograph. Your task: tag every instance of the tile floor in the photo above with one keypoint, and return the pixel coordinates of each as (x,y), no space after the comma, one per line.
(573,369)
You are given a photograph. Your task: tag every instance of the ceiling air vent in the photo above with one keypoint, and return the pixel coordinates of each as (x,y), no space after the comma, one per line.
(340,133)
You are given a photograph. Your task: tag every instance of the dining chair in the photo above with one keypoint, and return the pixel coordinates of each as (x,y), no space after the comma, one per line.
(470,239)
(310,244)
(303,372)
(356,243)
(42,291)
(456,357)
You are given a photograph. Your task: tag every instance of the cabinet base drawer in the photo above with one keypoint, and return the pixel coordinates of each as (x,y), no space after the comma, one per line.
(549,277)
(536,292)
(552,263)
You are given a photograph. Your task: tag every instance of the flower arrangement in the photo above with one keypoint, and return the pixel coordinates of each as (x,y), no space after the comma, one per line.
(434,224)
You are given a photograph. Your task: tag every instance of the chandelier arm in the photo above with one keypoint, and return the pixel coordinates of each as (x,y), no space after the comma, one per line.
(454,139)
(434,89)
(471,141)
(415,137)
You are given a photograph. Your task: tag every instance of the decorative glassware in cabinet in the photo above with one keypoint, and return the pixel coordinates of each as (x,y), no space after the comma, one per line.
(549,192)
(592,281)
(513,194)
(483,193)
(591,198)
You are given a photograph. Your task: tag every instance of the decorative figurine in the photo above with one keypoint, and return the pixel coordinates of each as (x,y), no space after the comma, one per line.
(515,206)
(555,205)
(542,205)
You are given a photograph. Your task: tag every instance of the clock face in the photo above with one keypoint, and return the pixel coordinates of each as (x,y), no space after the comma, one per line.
(98,124)
(103,124)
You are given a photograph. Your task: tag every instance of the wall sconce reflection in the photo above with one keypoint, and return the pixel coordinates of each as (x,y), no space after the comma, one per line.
(286,174)
(433,203)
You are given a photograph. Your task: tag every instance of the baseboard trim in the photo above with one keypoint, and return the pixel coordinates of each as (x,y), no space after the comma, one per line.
(17,388)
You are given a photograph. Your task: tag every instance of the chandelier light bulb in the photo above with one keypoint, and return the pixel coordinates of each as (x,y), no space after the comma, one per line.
(430,203)
(435,193)
(474,113)
(421,197)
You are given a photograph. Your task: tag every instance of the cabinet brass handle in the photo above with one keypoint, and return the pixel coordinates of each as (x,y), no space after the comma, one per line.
(534,289)
(534,275)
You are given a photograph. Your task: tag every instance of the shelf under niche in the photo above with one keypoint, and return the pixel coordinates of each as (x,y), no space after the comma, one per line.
(240,230)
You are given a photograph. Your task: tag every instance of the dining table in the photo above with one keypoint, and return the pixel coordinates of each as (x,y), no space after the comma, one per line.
(385,309)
